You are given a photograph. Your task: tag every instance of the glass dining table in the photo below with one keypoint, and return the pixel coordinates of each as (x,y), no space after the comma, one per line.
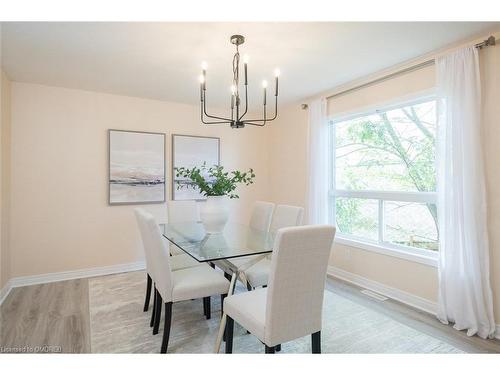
(220,249)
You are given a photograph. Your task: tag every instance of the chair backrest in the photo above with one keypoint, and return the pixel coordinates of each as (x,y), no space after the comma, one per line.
(286,216)
(140,217)
(159,256)
(180,211)
(261,216)
(297,282)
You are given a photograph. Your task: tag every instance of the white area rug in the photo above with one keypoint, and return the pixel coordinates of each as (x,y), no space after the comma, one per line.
(118,325)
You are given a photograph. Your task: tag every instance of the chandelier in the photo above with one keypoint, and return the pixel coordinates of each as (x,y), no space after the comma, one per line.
(237,119)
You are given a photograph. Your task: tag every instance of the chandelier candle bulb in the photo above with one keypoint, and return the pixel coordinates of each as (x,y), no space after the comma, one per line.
(202,82)
(204,73)
(276,75)
(202,86)
(246,81)
(264,85)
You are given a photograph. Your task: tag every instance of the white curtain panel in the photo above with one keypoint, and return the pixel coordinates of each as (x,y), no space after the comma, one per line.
(465,297)
(318,161)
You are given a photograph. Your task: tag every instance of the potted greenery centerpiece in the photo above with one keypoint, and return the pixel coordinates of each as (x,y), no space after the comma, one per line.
(217,185)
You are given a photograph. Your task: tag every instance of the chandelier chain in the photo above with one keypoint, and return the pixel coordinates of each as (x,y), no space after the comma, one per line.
(236,73)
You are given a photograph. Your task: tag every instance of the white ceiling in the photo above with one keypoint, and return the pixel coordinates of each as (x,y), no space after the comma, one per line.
(162,60)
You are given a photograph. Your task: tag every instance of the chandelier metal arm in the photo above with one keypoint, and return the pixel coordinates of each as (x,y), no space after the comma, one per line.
(211,122)
(210,116)
(266,119)
(214,122)
(251,123)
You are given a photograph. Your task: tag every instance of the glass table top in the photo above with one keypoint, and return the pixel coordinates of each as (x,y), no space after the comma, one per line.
(236,240)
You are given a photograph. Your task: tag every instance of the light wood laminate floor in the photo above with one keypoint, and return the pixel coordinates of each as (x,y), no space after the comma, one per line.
(52,317)
(56,317)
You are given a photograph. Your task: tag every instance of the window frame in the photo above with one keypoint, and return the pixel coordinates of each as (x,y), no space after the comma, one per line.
(380,246)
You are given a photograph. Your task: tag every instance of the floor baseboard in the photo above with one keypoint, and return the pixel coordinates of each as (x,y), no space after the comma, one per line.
(391,292)
(68,275)
(4,292)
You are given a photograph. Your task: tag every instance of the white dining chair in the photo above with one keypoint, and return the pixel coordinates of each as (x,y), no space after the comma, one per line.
(262,213)
(284,216)
(178,212)
(177,262)
(260,220)
(292,304)
(180,285)
(147,257)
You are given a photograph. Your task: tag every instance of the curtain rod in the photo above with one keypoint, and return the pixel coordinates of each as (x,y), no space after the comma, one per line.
(491,41)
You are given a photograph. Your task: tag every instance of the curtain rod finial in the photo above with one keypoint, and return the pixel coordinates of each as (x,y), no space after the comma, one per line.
(304,106)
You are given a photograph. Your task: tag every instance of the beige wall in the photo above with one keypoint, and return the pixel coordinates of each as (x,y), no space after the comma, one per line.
(417,81)
(288,156)
(60,217)
(288,172)
(5,110)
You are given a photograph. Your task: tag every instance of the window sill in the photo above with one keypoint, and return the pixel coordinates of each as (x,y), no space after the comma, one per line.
(430,260)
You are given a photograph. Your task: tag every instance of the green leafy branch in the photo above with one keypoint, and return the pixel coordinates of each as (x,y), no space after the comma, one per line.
(214,181)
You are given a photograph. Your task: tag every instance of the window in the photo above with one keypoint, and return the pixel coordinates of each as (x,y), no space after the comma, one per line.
(384,177)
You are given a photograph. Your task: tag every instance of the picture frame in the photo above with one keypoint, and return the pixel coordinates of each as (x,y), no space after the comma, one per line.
(136,167)
(192,151)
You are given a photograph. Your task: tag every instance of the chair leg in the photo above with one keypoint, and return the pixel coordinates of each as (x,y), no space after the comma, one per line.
(269,349)
(151,323)
(316,342)
(207,307)
(159,302)
(148,292)
(222,297)
(166,327)
(229,334)
(249,288)
(278,348)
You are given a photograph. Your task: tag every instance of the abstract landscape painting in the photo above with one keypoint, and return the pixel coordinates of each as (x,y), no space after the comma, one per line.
(136,167)
(192,151)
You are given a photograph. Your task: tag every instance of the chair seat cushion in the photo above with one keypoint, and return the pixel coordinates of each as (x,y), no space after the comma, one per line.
(197,282)
(174,250)
(258,274)
(249,310)
(179,262)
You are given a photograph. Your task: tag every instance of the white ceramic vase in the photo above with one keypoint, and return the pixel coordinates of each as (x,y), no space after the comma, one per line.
(215,213)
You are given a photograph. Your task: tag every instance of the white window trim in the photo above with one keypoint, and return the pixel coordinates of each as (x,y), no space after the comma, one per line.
(422,256)
(417,255)
(415,98)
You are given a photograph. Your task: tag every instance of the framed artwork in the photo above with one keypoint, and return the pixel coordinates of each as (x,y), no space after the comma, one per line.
(136,167)
(192,151)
